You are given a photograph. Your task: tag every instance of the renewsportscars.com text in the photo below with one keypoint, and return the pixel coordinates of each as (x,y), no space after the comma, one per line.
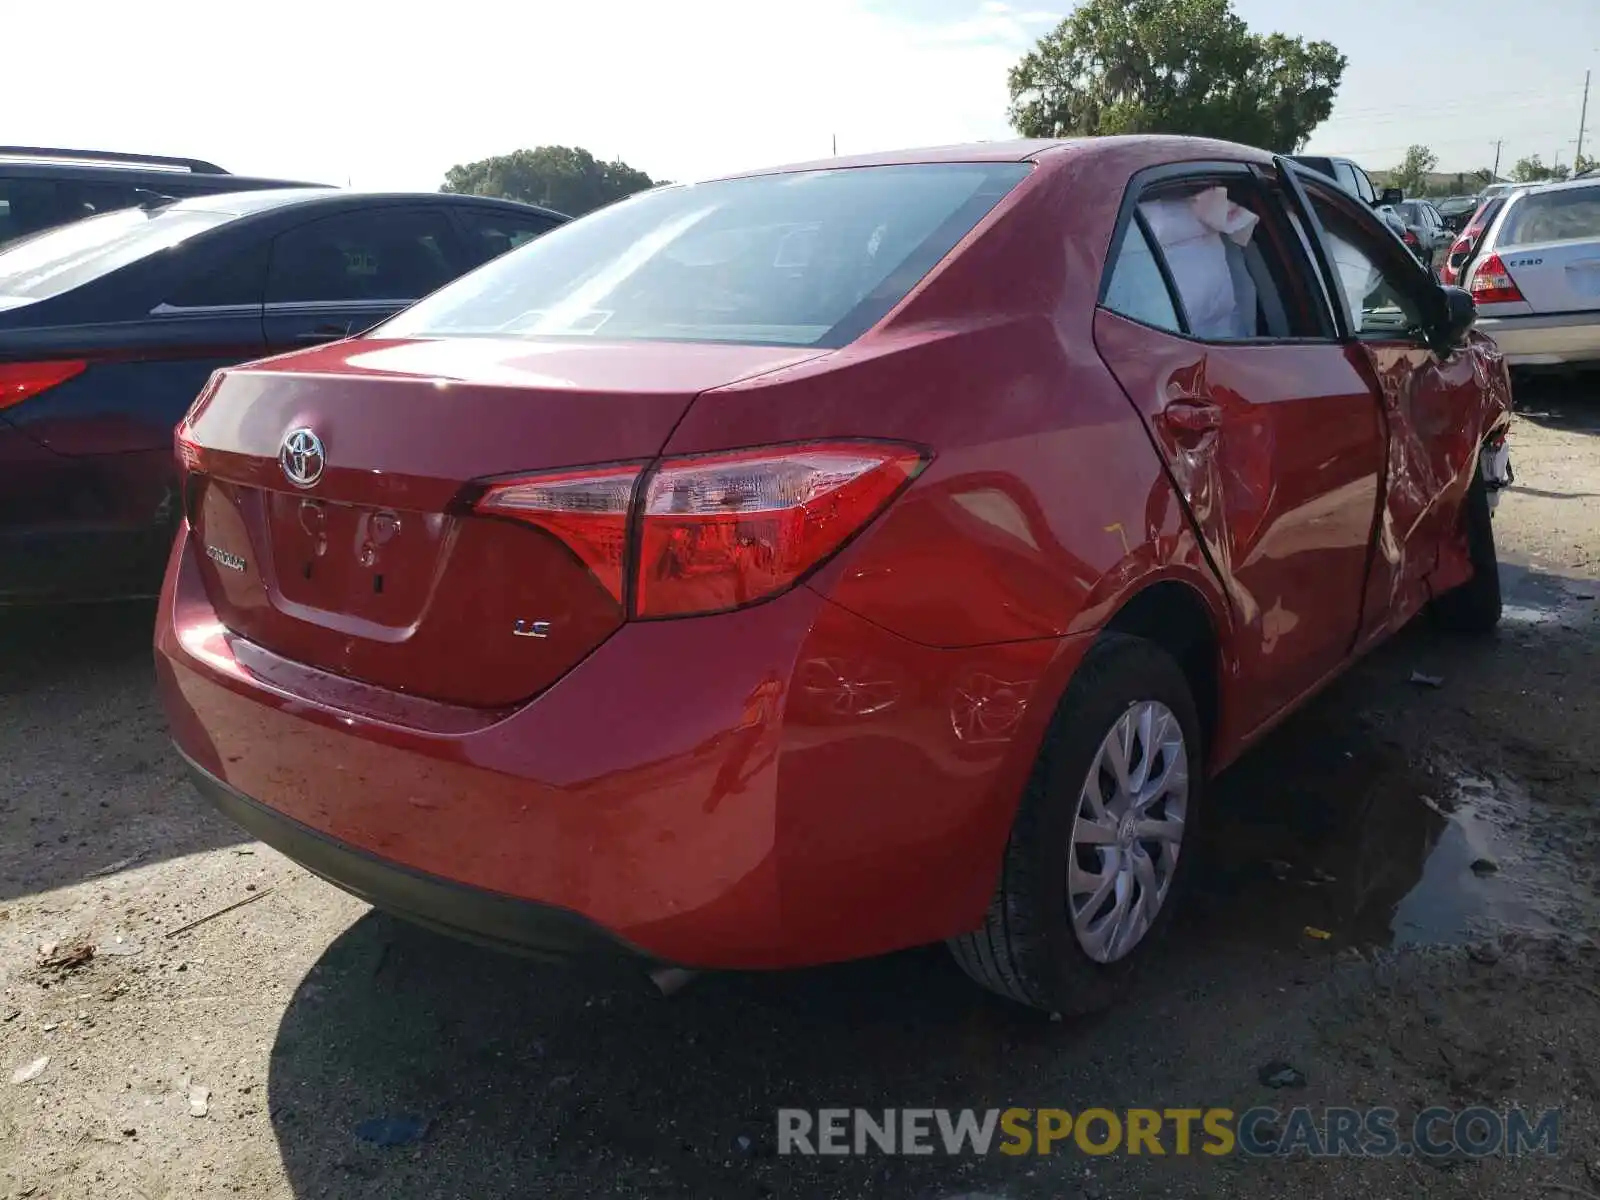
(1260,1132)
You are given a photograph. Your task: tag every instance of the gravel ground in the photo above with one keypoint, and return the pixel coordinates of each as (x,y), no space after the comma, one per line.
(309,1030)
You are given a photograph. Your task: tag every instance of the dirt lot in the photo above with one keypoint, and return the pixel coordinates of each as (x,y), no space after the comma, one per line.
(311,1031)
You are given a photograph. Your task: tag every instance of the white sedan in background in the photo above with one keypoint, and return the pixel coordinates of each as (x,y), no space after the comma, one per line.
(1537,276)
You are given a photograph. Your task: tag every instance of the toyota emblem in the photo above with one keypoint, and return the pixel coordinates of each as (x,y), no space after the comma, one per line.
(301,457)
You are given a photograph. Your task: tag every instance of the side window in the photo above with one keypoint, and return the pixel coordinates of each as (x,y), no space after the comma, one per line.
(238,277)
(29,206)
(371,254)
(1231,258)
(1136,289)
(491,232)
(1364,187)
(1380,288)
(1346,175)
(93,198)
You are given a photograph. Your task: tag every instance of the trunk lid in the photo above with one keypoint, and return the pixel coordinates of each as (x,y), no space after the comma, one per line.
(377,570)
(1556,278)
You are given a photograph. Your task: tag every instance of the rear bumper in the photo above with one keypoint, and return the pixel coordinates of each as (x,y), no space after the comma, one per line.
(693,790)
(1537,341)
(90,527)
(503,922)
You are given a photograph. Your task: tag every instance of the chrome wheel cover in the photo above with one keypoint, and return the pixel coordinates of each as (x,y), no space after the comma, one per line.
(1127,831)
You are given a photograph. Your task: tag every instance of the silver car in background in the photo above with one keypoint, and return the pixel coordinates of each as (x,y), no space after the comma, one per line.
(1425,233)
(1536,277)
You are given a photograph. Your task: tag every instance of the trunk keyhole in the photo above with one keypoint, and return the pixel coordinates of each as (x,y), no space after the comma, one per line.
(308,571)
(377,584)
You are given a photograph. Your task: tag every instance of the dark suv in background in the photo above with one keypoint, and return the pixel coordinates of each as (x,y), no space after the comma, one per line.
(1353,178)
(42,187)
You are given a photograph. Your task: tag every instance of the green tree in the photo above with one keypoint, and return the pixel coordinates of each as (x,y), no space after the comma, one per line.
(1584,163)
(1530,170)
(1411,176)
(1173,66)
(565,178)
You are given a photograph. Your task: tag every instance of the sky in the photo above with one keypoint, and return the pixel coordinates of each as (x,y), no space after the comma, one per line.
(391,97)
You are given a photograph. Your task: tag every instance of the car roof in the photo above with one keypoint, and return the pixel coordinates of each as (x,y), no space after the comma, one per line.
(1565,185)
(1154,147)
(197,175)
(244,204)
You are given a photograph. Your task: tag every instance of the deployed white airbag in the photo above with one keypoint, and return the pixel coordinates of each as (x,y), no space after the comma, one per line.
(1217,291)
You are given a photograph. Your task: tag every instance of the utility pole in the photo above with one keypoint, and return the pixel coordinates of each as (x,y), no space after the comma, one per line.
(1496,172)
(836,145)
(1583,120)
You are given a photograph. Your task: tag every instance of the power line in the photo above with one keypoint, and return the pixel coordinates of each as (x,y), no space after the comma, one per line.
(1401,148)
(1398,118)
(1531,97)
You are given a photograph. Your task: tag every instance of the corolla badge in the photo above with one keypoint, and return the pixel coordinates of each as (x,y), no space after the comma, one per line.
(225,558)
(302,457)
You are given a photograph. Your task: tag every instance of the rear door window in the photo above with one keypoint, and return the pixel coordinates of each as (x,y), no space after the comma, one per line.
(1136,288)
(374,254)
(238,277)
(1231,256)
(803,258)
(490,232)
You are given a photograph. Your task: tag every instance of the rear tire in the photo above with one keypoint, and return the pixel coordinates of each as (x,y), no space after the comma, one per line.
(1474,606)
(1053,937)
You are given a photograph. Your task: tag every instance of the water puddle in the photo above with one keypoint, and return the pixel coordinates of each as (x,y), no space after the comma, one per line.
(1535,596)
(1527,614)
(1341,835)
(1474,881)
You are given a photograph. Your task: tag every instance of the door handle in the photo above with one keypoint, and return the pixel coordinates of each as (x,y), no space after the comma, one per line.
(1193,418)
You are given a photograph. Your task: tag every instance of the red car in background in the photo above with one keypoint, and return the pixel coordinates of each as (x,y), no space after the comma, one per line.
(1465,247)
(808,564)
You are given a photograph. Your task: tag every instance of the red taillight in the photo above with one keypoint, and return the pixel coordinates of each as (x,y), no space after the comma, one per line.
(19,381)
(1492,283)
(711,532)
(185,447)
(1409,238)
(721,531)
(587,510)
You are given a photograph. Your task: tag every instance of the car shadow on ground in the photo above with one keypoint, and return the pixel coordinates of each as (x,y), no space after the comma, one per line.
(90,783)
(407,1065)
(1564,401)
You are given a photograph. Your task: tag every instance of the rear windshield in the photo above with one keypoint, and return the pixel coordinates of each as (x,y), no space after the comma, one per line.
(61,259)
(799,259)
(1565,216)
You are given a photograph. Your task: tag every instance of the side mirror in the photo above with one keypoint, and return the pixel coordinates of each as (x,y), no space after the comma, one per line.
(1457,314)
(1391,195)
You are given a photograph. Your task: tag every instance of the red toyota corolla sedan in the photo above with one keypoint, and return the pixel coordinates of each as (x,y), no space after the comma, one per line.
(827,560)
